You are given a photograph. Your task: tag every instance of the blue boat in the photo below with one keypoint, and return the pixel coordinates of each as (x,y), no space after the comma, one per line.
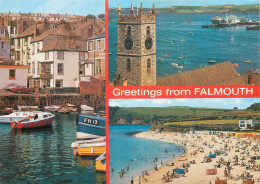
(90,127)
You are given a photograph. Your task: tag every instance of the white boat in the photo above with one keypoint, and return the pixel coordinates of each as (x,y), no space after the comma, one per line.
(52,108)
(86,108)
(174,64)
(15,116)
(249,62)
(180,57)
(211,61)
(179,67)
(182,40)
(161,59)
(97,140)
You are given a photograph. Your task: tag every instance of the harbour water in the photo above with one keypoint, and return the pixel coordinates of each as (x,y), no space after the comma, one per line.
(235,44)
(139,154)
(44,155)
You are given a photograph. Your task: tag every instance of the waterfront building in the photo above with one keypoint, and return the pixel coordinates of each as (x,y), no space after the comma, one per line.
(5,47)
(248,124)
(10,74)
(136,48)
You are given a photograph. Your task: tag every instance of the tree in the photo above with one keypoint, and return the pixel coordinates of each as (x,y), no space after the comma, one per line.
(101,16)
(90,16)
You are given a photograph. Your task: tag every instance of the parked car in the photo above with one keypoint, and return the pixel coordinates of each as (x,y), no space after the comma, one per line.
(23,89)
(11,86)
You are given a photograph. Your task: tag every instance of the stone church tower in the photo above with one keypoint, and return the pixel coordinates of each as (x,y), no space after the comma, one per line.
(136,49)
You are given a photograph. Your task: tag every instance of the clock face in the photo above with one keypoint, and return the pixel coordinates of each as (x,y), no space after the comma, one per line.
(148,43)
(128,43)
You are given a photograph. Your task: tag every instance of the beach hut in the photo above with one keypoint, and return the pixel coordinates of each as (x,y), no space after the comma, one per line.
(239,135)
(256,136)
(230,134)
(248,135)
(211,171)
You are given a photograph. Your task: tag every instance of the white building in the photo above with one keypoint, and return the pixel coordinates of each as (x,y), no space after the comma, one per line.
(247,124)
(10,74)
(56,65)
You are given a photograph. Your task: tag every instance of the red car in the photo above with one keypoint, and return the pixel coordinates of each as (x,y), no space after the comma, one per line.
(22,89)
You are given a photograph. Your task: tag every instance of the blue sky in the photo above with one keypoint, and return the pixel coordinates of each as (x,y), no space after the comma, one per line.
(167,3)
(226,103)
(77,7)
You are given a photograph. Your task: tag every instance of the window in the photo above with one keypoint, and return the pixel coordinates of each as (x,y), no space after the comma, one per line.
(98,44)
(12,75)
(33,49)
(33,68)
(48,83)
(18,55)
(128,31)
(99,66)
(25,41)
(38,47)
(148,65)
(46,69)
(58,84)
(60,69)
(46,55)
(128,64)
(2,31)
(12,42)
(148,31)
(81,55)
(90,45)
(2,45)
(29,67)
(60,55)
(18,43)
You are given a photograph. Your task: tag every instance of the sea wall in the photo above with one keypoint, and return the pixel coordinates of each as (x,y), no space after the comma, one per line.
(40,100)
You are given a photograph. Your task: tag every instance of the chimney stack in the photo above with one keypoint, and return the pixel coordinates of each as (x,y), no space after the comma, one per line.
(250,79)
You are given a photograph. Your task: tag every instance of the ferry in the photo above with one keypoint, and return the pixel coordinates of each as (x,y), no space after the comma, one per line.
(101,163)
(90,127)
(33,120)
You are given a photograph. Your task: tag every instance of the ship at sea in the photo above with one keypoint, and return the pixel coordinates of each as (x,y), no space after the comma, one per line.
(227,21)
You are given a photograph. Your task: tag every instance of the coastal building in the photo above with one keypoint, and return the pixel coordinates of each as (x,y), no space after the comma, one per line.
(55,59)
(10,74)
(5,47)
(248,124)
(136,48)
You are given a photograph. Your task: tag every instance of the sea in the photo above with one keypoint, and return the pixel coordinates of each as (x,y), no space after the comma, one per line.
(44,155)
(234,44)
(125,149)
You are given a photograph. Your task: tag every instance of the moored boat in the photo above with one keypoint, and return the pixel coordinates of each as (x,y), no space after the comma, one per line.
(86,108)
(90,127)
(211,61)
(33,120)
(88,149)
(101,163)
(14,116)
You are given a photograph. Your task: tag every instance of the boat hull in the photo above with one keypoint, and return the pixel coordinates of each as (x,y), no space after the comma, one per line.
(91,151)
(33,124)
(100,166)
(8,120)
(89,127)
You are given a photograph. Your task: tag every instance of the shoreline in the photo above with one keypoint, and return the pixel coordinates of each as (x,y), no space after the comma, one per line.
(194,143)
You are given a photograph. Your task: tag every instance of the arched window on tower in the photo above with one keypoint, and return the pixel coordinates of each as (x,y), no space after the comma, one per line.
(129,31)
(148,31)
(128,64)
(148,65)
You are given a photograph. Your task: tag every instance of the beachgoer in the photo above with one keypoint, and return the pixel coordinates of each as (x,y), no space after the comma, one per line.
(132,180)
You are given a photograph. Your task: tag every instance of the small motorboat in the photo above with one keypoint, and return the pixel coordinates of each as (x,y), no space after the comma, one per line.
(174,64)
(14,116)
(211,61)
(182,40)
(33,120)
(179,67)
(191,33)
(86,108)
(171,42)
(64,110)
(101,163)
(90,149)
(52,108)
(161,59)
(235,65)
(166,55)
(248,62)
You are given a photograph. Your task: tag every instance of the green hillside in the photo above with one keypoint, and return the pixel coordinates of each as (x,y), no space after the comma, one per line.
(202,9)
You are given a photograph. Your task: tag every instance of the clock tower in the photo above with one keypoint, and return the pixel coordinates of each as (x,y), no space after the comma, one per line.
(136,48)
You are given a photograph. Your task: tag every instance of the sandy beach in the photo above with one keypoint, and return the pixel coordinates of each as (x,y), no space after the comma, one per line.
(232,163)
